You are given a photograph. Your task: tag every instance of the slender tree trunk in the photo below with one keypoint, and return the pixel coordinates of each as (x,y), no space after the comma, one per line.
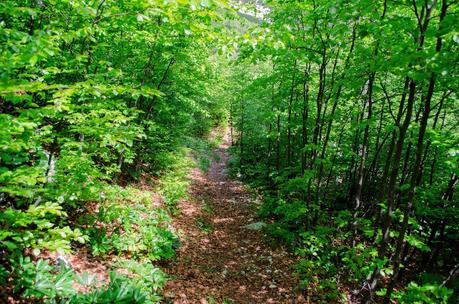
(363,155)
(149,110)
(241,134)
(305,116)
(374,278)
(418,160)
(278,124)
(289,114)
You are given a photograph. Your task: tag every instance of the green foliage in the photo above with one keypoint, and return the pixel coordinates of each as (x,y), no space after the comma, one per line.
(201,150)
(135,229)
(119,290)
(95,94)
(145,276)
(334,108)
(204,225)
(420,294)
(317,268)
(174,182)
(35,228)
(289,217)
(40,280)
(359,261)
(344,116)
(56,284)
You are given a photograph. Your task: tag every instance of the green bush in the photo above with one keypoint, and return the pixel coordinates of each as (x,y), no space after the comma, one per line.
(429,293)
(174,182)
(119,290)
(35,229)
(134,229)
(40,280)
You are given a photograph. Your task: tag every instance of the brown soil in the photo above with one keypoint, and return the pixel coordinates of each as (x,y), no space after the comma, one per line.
(220,260)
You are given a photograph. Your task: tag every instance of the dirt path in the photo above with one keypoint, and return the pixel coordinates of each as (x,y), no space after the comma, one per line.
(221,260)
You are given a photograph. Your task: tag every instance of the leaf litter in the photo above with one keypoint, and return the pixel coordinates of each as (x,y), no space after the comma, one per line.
(231,262)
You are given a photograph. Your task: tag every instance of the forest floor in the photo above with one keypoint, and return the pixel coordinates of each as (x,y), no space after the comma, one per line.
(224,257)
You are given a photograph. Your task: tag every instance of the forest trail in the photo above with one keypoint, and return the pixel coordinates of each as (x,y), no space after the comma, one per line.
(221,260)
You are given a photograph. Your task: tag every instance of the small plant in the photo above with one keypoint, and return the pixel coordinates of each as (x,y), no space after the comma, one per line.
(135,229)
(290,217)
(119,290)
(54,284)
(40,280)
(173,185)
(429,293)
(145,276)
(207,205)
(202,151)
(204,225)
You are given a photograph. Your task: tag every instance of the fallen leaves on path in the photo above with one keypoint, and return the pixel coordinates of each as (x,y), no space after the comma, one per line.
(223,260)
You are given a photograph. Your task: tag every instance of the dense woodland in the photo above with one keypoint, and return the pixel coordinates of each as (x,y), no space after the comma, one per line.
(343,119)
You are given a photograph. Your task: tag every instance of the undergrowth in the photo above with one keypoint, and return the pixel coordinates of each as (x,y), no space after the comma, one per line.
(42,282)
(331,262)
(202,150)
(125,228)
(174,181)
